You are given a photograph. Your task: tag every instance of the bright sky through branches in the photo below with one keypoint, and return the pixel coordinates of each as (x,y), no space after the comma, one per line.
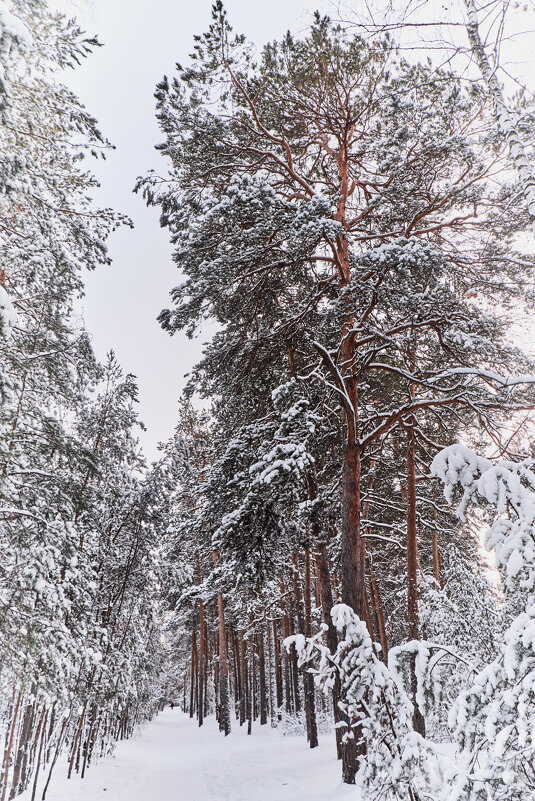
(143,41)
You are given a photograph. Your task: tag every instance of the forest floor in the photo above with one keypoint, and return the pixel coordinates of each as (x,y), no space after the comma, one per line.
(171,759)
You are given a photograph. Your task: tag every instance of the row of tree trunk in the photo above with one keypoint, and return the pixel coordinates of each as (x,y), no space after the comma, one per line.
(37,732)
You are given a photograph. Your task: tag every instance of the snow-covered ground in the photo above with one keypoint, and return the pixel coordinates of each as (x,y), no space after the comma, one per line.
(171,759)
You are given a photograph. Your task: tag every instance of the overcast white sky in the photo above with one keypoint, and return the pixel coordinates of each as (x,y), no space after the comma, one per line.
(142,41)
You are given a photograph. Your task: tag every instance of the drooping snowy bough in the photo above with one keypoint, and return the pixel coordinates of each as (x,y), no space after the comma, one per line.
(399,763)
(494,719)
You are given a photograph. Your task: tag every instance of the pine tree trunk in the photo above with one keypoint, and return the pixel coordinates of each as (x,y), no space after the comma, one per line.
(412,572)
(376,596)
(262,694)
(249,699)
(244,682)
(278,669)
(224,723)
(193,672)
(310,705)
(353,582)
(87,743)
(57,751)
(22,749)
(294,672)
(287,668)
(76,740)
(202,650)
(9,746)
(352,547)
(39,755)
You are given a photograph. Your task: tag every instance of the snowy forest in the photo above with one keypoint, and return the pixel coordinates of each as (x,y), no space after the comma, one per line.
(337,541)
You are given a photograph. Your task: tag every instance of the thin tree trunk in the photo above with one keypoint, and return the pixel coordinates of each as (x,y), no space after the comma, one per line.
(376,596)
(202,650)
(287,668)
(57,751)
(22,749)
(294,671)
(262,694)
(278,669)
(249,700)
(40,754)
(87,744)
(243,691)
(224,723)
(412,572)
(193,672)
(9,746)
(76,739)
(312,726)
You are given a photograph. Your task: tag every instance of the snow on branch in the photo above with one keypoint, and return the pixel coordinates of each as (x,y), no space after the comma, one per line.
(506,122)
(493,718)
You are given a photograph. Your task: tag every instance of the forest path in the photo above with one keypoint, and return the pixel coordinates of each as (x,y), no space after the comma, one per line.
(172,759)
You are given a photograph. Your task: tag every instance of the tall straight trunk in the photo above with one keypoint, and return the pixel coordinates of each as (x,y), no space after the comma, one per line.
(200,679)
(224,722)
(278,668)
(412,572)
(192,673)
(287,668)
(352,556)
(262,689)
(271,673)
(310,705)
(371,616)
(237,672)
(412,541)
(378,604)
(202,650)
(352,568)
(352,546)
(294,670)
(244,682)
(303,606)
(217,671)
(249,697)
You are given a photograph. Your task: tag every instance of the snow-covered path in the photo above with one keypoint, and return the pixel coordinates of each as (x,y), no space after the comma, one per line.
(173,760)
